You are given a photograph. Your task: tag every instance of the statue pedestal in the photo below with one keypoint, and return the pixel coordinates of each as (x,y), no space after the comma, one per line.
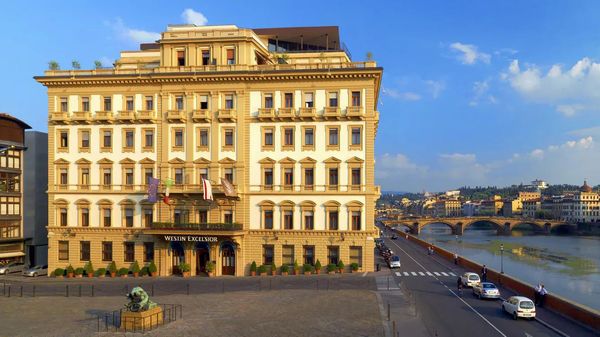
(143,320)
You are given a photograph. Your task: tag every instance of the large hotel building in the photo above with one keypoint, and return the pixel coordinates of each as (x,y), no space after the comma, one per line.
(281,113)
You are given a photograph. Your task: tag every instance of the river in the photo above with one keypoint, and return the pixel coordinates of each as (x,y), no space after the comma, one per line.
(568,266)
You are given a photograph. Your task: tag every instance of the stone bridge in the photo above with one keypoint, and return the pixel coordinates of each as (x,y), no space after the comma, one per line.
(504,225)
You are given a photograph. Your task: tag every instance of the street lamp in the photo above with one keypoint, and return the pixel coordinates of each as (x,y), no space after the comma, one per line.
(501,258)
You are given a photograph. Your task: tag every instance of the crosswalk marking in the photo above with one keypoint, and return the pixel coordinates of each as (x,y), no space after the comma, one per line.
(421,273)
(398,273)
(452,274)
(444,274)
(436,273)
(413,273)
(429,273)
(406,274)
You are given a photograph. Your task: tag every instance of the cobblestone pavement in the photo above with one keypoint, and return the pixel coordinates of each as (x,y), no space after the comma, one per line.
(243,313)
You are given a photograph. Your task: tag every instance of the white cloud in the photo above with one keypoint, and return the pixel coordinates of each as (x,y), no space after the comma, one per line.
(480,93)
(192,17)
(568,90)
(468,53)
(435,87)
(404,96)
(537,153)
(132,34)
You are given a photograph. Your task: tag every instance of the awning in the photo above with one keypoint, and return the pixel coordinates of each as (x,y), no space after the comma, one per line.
(12,254)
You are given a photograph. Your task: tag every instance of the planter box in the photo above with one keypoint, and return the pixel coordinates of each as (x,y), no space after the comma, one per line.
(124,275)
(185,274)
(341,271)
(153,274)
(331,272)
(307,273)
(136,274)
(69,275)
(90,275)
(113,274)
(263,274)
(252,273)
(284,273)
(318,271)
(78,276)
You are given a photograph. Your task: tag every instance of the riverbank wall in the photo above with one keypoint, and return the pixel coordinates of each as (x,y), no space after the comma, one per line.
(572,310)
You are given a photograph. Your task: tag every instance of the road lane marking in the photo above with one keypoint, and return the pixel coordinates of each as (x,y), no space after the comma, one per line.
(452,274)
(429,273)
(421,273)
(413,273)
(453,293)
(436,273)
(444,274)
(398,274)
(406,274)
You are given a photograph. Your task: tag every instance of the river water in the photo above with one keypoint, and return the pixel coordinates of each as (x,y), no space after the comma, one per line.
(568,266)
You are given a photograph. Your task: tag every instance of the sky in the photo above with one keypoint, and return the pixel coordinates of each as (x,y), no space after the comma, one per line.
(473,93)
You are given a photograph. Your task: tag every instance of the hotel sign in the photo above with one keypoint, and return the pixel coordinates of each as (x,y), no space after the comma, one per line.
(190,238)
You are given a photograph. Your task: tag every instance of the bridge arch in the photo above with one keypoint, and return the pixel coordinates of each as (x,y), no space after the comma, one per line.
(535,224)
(499,225)
(447,223)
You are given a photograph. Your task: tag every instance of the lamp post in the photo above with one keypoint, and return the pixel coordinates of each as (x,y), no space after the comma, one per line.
(501,258)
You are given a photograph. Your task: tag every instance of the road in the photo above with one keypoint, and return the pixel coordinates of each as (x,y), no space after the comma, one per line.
(431,282)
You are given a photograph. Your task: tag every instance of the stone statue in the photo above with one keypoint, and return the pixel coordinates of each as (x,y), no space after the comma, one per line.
(139,300)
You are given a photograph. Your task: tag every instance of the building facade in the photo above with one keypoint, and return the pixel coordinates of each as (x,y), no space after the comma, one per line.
(283,114)
(12,147)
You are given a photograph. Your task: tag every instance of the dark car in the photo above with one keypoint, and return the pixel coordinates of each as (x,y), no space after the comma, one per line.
(394,237)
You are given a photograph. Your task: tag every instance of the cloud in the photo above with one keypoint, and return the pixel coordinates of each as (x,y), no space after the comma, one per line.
(435,87)
(132,34)
(404,96)
(468,53)
(568,90)
(537,153)
(192,17)
(480,93)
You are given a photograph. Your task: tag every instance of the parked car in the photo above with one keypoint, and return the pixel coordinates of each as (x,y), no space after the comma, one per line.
(394,237)
(11,268)
(394,262)
(469,279)
(519,306)
(36,271)
(486,290)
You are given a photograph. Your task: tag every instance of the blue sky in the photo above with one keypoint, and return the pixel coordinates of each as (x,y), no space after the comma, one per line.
(475,93)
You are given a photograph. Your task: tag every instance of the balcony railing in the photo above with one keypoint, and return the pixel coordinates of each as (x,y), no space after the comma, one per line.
(59,116)
(226,115)
(286,113)
(307,113)
(126,115)
(308,188)
(146,115)
(354,112)
(81,116)
(266,113)
(197,226)
(331,112)
(104,116)
(186,188)
(202,115)
(176,116)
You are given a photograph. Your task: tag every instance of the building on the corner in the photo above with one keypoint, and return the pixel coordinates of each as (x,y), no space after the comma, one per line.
(583,206)
(512,207)
(12,147)
(283,114)
(447,208)
(35,199)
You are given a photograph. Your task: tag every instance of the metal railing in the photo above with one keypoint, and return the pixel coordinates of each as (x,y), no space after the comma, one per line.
(197,226)
(308,188)
(114,321)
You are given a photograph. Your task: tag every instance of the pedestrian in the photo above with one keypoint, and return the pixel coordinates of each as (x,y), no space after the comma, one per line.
(537,289)
(543,293)
(455,259)
(484,274)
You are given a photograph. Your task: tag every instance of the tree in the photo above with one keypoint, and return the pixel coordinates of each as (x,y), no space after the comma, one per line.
(76,65)
(97,64)
(53,65)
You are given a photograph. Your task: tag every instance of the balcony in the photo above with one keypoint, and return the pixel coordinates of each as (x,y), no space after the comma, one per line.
(286,113)
(307,113)
(81,117)
(331,112)
(126,116)
(266,114)
(59,117)
(104,117)
(197,226)
(146,115)
(176,116)
(202,115)
(225,115)
(354,112)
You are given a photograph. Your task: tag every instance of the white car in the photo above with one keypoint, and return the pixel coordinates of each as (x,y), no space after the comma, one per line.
(470,279)
(36,271)
(395,262)
(12,268)
(519,306)
(486,290)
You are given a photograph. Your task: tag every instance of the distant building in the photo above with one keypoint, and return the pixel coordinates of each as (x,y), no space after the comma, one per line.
(531,207)
(523,196)
(470,208)
(455,193)
(539,184)
(446,208)
(512,207)
(584,207)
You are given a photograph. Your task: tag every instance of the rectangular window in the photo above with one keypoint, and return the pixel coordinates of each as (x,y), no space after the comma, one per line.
(333,221)
(64,139)
(231,56)
(228,217)
(333,177)
(84,250)
(63,250)
(181,58)
(203,173)
(129,217)
(85,217)
(202,216)
(129,103)
(107,177)
(85,104)
(179,176)
(64,104)
(148,173)
(85,139)
(148,217)
(129,176)
(333,136)
(149,103)
(63,217)
(228,101)
(177,216)
(148,251)
(229,174)
(85,176)
(308,177)
(288,137)
(268,137)
(356,221)
(288,220)
(107,103)
(309,220)
(179,102)
(229,137)
(333,254)
(179,138)
(148,138)
(356,176)
(107,139)
(308,100)
(203,102)
(204,137)
(288,100)
(129,137)
(268,219)
(106,217)
(288,175)
(129,251)
(268,101)
(64,176)
(287,255)
(333,99)
(107,254)
(309,136)
(356,255)
(356,98)
(268,253)
(356,136)
(205,57)
(309,255)
(269,177)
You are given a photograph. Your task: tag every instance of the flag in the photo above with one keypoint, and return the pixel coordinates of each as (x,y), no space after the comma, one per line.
(152,189)
(168,184)
(207,188)
(228,188)
(166,200)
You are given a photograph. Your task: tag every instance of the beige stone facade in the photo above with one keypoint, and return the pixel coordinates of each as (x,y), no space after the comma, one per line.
(293,132)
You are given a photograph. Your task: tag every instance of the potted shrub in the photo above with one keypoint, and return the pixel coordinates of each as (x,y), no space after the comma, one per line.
(89,269)
(262,270)
(253,269)
(70,271)
(185,269)
(59,272)
(100,272)
(340,266)
(144,271)
(135,269)
(331,268)
(79,272)
(210,268)
(318,267)
(123,272)
(296,268)
(152,269)
(354,267)
(285,269)
(273,269)
(307,269)
(112,269)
